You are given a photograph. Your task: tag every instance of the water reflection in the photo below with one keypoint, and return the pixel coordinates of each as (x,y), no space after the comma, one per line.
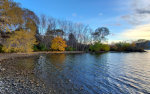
(57,60)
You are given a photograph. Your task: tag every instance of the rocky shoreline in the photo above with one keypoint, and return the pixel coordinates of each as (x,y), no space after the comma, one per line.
(18,80)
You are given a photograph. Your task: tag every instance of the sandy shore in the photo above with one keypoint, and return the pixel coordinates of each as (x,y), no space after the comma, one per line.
(4,56)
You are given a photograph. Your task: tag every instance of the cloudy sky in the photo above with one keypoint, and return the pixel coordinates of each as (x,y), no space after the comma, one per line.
(126,19)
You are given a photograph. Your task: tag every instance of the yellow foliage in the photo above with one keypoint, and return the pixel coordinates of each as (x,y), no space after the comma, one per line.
(58,44)
(20,24)
(11,15)
(20,41)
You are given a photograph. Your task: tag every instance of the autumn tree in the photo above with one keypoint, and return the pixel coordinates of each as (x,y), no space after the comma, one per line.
(31,20)
(21,25)
(20,41)
(10,15)
(58,44)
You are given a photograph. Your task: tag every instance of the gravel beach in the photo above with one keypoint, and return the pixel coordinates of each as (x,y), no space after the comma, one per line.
(16,78)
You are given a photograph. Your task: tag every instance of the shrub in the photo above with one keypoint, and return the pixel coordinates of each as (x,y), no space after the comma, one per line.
(91,48)
(99,47)
(42,47)
(113,48)
(70,48)
(123,46)
(39,47)
(105,47)
(35,48)
(1,46)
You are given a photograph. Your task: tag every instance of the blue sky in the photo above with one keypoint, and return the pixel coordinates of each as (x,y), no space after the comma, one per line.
(120,16)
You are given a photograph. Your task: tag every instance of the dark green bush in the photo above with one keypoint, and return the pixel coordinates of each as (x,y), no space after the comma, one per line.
(39,47)
(1,46)
(105,47)
(42,47)
(35,48)
(69,48)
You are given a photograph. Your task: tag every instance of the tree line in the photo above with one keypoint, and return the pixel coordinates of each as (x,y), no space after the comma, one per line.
(21,30)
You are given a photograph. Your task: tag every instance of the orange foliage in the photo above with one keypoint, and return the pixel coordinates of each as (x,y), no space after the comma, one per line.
(58,44)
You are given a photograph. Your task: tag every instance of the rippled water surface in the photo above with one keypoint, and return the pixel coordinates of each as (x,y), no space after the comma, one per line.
(114,73)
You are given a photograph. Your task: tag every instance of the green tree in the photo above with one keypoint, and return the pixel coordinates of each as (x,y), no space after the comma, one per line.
(100,34)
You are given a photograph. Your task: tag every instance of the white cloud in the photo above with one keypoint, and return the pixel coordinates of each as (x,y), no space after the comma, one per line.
(139,12)
(139,32)
(114,24)
(114,41)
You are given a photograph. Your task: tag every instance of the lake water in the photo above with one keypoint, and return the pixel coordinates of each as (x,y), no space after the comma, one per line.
(116,73)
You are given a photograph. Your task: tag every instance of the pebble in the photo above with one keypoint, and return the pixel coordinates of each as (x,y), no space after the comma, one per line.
(3,69)
(37,84)
(69,80)
(17,73)
(81,88)
(31,82)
